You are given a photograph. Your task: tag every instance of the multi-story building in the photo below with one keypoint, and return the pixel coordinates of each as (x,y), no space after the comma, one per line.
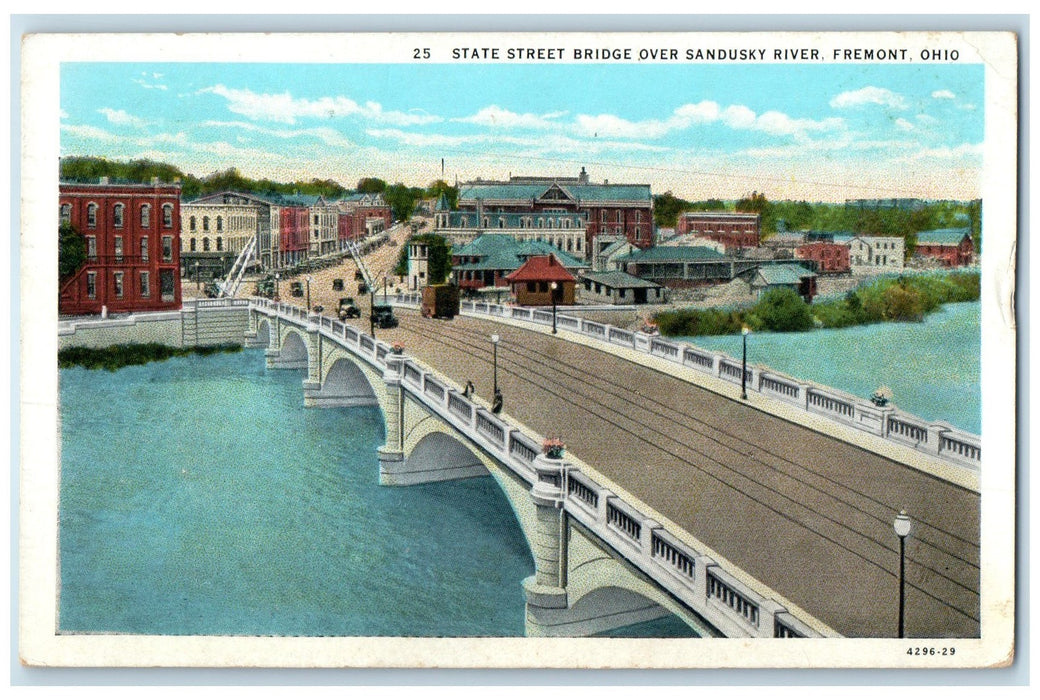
(131,234)
(566,212)
(952,247)
(828,258)
(871,255)
(361,215)
(735,230)
(216,227)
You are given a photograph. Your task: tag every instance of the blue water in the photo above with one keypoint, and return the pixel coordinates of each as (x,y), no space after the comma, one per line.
(932,367)
(198,496)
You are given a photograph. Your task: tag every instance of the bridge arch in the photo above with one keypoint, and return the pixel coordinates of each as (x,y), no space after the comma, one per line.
(344,383)
(603,593)
(263,334)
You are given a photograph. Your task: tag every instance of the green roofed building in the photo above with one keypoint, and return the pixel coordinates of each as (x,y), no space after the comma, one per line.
(684,266)
(563,211)
(485,261)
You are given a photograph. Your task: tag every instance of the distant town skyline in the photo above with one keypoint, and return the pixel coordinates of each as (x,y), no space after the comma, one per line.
(819,132)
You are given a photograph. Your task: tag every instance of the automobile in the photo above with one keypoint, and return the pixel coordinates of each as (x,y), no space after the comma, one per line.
(348,308)
(362,288)
(383,316)
(212,290)
(296,289)
(337,285)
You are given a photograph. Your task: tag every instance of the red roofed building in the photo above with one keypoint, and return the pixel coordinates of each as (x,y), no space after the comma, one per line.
(532,282)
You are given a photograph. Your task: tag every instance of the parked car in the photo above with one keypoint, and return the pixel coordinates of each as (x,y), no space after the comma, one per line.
(296,289)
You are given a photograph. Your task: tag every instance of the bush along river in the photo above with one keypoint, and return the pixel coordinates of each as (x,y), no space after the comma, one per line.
(206,500)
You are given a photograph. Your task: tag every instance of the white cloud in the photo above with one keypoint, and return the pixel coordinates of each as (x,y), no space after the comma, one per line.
(326,135)
(737,117)
(120,117)
(496,116)
(943,95)
(284,108)
(904,125)
(869,95)
(145,81)
(967,106)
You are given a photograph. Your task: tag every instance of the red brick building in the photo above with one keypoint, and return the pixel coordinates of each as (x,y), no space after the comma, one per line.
(830,258)
(132,234)
(294,228)
(532,282)
(733,230)
(363,214)
(951,247)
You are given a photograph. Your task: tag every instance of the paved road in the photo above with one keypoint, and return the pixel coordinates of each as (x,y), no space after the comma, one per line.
(808,515)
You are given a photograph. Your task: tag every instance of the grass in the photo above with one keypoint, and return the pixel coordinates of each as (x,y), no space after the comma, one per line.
(126,354)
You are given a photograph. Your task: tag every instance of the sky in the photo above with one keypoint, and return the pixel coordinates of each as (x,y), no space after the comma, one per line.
(819,132)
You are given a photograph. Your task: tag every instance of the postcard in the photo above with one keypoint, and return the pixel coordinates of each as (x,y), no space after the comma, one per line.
(529,350)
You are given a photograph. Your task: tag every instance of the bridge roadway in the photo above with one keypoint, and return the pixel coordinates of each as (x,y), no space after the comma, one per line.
(808,515)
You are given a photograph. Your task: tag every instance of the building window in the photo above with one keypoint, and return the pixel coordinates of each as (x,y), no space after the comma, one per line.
(501,222)
(117,215)
(146,216)
(205,245)
(166,284)
(144,248)
(119,248)
(66,213)
(220,241)
(146,292)
(532,286)
(220,223)
(92,215)
(191,244)
(167,248)
(205,223)
(91,247)
(167,216)
(91,285)
(117,284)
(191,223)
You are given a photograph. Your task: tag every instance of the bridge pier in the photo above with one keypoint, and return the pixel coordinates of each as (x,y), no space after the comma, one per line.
(391,454)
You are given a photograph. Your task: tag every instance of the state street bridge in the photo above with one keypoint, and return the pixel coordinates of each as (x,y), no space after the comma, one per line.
(670,498)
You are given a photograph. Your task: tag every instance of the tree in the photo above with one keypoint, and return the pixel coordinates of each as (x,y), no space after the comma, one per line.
(72,251)
(370,185)
(667,207)
(439,187)
(781,309)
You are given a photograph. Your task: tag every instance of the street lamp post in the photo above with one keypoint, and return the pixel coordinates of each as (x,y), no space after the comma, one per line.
(902,528)
(372,312)
(384,289)
(309,278)
(278,285)
(496,401)
(494,362)
(743,370)
(198,283)
(553,286)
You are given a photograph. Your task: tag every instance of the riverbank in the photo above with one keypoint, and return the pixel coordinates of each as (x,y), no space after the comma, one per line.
(128,354)
(900,299)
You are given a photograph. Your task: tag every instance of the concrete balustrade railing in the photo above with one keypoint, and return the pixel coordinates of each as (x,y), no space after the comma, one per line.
(937,439)
(643,541)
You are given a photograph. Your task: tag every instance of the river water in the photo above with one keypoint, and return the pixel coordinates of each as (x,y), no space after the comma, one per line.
(198,496)
(932,367)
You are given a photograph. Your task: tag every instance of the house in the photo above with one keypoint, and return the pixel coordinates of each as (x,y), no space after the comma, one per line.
(796,277)
(951,247)
(541,281)
(871,255)
(487,260)
(132,242)
(617,287)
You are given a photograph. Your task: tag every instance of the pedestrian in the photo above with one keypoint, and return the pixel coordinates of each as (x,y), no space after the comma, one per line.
(496,404)
(468,391)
